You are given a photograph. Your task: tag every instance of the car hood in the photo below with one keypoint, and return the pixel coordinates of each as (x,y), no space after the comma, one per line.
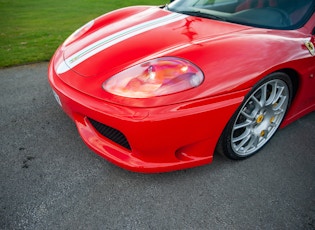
(125,37)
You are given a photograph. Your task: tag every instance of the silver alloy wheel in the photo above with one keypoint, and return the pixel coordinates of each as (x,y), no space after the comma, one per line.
(259,117)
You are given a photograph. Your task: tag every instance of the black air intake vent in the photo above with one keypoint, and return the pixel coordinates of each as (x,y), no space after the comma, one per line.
(111,133)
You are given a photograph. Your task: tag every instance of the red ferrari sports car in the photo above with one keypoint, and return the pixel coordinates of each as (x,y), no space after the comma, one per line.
(161,88)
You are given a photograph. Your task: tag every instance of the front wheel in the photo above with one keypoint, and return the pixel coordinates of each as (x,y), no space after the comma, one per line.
(258,117)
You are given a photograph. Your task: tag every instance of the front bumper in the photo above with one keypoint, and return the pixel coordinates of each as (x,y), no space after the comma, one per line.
(160,139)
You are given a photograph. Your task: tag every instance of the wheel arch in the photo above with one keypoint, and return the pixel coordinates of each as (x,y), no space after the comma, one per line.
(291,76)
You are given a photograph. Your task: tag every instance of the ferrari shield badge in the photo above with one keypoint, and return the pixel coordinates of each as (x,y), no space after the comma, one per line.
(310,46)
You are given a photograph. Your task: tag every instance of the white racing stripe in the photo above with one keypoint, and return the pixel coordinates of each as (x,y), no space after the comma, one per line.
(115,38)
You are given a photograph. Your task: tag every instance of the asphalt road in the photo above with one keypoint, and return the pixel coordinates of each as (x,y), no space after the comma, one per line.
(51,180)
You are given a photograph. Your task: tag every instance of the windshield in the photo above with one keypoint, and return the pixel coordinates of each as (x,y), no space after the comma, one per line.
(275,14)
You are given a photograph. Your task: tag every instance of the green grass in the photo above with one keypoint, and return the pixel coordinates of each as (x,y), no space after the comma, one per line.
(31,30)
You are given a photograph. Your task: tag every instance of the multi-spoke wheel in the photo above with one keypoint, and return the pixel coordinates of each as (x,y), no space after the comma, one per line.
(258,118)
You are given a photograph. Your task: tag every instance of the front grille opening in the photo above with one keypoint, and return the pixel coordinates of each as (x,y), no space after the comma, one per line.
(111,133)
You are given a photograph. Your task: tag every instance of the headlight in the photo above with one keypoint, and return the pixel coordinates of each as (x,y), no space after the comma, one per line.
(157,77)
(79,32)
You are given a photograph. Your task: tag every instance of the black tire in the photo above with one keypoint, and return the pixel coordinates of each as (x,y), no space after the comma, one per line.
(258,117)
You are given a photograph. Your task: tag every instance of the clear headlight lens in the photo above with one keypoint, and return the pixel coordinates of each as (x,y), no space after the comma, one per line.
(157,77)
(79,32)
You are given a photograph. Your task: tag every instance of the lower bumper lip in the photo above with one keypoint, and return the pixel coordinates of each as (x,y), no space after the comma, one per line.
(125,158)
